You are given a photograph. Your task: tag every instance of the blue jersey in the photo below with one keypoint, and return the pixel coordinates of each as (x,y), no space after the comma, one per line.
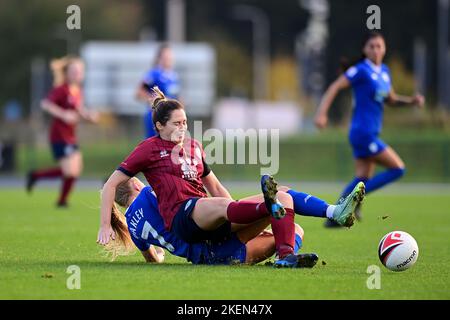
(166,80)
(146,227)
(371,86)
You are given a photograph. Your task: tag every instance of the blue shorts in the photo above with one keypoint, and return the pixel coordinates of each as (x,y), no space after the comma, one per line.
(185,227)
(364,145)
(230,251)
(61,150)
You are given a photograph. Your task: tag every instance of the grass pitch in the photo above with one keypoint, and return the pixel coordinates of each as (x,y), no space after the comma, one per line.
(39,242)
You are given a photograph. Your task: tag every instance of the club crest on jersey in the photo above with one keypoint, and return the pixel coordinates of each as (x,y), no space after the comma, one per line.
(164,153)
(188,168)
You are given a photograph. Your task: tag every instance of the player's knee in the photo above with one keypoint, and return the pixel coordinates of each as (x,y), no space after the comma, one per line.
(285,199)
(223,203)
(284,188)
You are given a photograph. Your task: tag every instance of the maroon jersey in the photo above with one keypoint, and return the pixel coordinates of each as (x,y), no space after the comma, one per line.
(173,171)
(59,130)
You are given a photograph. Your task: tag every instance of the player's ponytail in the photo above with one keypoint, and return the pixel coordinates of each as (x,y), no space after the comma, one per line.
(158,97)
(122,245)
(163,107)
(59,68)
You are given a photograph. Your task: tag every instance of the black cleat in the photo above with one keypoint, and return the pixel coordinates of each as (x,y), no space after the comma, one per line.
(303,260)
(62,205)
(307,260)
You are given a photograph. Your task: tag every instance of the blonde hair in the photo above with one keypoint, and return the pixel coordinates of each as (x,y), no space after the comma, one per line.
(122,245)
(59,68)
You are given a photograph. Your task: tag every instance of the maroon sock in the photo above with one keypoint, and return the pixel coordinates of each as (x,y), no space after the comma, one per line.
(246,212)
(284,233)
(65,189)
(47,173)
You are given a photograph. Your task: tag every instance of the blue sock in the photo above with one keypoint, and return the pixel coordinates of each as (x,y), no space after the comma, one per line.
(298,243)
(308,205)
(384,178)
(351,185)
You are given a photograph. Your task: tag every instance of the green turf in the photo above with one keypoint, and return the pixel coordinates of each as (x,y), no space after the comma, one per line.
(39,242)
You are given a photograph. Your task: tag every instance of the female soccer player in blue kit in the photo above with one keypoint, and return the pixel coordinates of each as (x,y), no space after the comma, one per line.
(165,78)
(370,80)
(142,226)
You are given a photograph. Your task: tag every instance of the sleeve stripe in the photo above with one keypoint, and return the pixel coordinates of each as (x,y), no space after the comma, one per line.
(206,168)
(128,173)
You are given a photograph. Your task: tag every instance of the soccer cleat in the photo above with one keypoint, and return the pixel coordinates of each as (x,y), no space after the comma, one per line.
(30,182)
(307,260)
(344,214)
(269,190)
(304,260)
(290,261)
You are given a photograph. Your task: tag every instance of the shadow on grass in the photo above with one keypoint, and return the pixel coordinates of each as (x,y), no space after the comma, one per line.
(129,264)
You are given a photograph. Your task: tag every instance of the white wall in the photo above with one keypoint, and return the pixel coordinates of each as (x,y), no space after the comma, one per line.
(115,69)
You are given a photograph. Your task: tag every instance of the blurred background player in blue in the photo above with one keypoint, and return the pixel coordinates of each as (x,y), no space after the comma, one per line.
(165,78)
(371,82)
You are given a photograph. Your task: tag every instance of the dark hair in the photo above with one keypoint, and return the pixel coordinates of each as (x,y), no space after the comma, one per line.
(346,63)
(163,107)
(161,48)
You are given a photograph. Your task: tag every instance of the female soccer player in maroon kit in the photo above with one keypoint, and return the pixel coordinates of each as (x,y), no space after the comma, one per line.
(65,104)
(174,166)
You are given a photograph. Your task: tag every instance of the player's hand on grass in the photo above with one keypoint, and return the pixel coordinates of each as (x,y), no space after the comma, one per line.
(160,254)
(105,234)
(321,120)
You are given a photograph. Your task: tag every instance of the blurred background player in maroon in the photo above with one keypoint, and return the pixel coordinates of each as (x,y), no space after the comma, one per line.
(65,104)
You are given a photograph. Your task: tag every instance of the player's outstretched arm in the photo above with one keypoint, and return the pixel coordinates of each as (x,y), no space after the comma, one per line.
(142,92)
(106,233)
(68,116)
(321,118)
(88,115)
(398,100)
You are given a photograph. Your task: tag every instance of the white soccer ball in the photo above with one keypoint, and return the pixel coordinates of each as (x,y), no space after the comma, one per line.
(398,251)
